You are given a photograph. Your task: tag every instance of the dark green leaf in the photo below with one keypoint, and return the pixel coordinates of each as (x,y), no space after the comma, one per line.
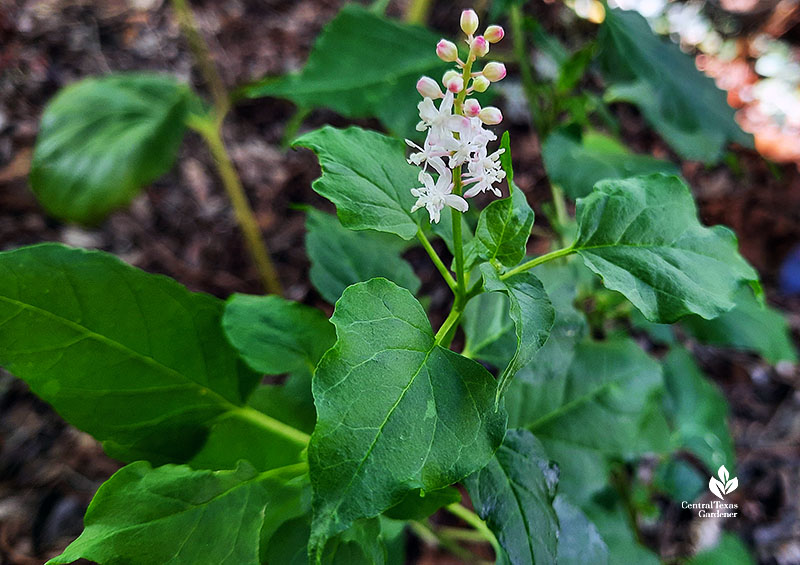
(612,521)
(532,313)
(102,139)
(572,70)
(362,65)
(366,176)
(291,402)
(174,514)
(642,236)
(341,257)
(276,336)
(383,386)
(577,164)
(680,480)
(133,359)
(418,504)
(697,411)
(681,103)
(489,330)
(514,494)
(579,542)
(594,412)
(503,229)
(749,326)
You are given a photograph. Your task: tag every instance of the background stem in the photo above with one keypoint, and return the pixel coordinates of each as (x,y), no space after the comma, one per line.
(417,12)
(244,213)
(525,70)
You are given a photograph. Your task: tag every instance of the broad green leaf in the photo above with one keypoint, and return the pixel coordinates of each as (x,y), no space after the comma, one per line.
(579,542)
(594,412)
(274,335)
(697,411)
(730,550)
(174,514)
(532,313)
(576,164)
(642,236)
(418,504)
(612,521)
(514,493)
(504,226)
(681,103)
(341,257)
(394,536)
(366,176)
(102,139)
(291,402)
(489,330)
(134,359)
(386,385)
(362,65)
(749,326)
(680,480)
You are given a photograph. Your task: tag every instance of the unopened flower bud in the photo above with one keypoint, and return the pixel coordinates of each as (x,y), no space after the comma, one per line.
(447,50)
(448,76)
(490,116)
(469,21)
(494,71)
(429,88)
(493,34)
(480,83)
(480,46)
(471,107)
(455,84)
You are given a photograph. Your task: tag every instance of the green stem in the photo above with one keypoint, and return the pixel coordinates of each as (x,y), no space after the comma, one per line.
(293,126)
(417,12)
(458,247)
(443,336)
(475,521)
(268,423)
(241,207)
(560,206)
(448,278)
(431,537)
(525,70)
(537,261)
(202,56)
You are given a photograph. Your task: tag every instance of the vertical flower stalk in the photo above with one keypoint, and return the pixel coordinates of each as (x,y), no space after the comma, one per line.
(456,145)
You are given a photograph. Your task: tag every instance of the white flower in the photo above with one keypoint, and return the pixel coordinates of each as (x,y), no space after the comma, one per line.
(484,170)
(434,196)
(441,122)
(428,152)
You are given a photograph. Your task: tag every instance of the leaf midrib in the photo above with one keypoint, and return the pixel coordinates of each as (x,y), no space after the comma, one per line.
(91,334)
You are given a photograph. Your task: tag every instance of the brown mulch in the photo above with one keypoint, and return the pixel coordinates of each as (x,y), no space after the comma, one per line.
(182,226)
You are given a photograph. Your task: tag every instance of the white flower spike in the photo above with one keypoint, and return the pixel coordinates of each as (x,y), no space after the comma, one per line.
(456,135)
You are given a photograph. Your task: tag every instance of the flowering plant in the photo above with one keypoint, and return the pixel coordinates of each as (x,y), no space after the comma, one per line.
(378,421)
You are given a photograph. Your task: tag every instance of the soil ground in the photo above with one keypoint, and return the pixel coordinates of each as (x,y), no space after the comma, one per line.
(182,226)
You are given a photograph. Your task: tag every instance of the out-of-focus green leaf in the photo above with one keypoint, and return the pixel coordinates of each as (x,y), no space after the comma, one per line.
(577,163)
(362,65)
(681,103)
(102,139)
(730,550)
(341,257)
(749,326)
(579,542)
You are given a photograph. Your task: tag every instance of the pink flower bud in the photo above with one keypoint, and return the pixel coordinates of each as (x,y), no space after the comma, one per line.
(469,21)
(448,76)
(494,71)
(493,34)
(447,50)
(455,84)
(480,46)
(471,107)
(490,116)
(480,83)
(429,88)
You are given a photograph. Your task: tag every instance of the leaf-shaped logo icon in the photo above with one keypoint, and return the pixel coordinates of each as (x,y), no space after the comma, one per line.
(716,487)
(722,486)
